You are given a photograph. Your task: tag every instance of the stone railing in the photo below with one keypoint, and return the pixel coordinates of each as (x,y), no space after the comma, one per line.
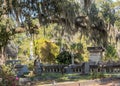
(80,68)
(62,68)
(53,68)
(106,68)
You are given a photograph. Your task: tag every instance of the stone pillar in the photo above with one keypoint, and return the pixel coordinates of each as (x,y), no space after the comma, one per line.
(86,68)
(72,59)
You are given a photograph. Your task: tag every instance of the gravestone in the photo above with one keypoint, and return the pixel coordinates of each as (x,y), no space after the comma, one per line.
(94,58)
(95,54)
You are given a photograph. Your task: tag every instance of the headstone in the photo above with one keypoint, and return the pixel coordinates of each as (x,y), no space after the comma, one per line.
(95,54)
(94,58)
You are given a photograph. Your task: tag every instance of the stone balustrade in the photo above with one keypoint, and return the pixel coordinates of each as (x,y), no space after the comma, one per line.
(79,68)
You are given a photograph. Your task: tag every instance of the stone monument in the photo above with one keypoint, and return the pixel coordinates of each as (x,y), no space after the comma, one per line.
(95,54)
(94,58)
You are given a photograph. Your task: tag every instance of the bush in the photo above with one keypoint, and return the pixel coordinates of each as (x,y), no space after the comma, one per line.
(46,50)
(64,58)
(8,76)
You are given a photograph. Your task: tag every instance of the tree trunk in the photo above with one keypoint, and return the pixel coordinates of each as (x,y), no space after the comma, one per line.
(31,47)
(2,56)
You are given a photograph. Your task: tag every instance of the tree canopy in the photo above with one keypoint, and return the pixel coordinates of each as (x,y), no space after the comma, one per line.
(96,21)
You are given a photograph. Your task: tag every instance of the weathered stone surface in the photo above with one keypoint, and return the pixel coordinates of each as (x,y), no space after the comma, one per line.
(95,53)
(23,80)
(87,68)
(68,70)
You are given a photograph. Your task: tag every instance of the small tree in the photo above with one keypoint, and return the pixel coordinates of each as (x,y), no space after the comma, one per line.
(46,50)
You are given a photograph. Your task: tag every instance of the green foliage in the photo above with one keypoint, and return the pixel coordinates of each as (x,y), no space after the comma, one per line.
(30,65)
(46,50)
(24,48)
(7,70)
(85,42)
(93,13)
(8,76)
(78,58)
(117,23)
(62,78)
(64,58)
(6,31)
(107,12)
(95,75)
(23,43)
(77,49)
(62,14)
(111,53)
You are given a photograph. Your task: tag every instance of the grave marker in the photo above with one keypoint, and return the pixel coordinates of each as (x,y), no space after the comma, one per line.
(95,54)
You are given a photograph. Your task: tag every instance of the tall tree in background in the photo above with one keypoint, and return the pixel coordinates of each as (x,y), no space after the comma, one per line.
(7,27)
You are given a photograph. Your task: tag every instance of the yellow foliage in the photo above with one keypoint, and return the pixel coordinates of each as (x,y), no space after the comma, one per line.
(85,54)
(46,50)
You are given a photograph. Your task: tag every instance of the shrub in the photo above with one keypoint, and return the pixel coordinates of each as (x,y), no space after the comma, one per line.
(46,50)
(8,76)
(64,58)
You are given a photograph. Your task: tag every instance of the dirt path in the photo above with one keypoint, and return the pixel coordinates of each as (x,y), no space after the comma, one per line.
(114,82)
(110,83)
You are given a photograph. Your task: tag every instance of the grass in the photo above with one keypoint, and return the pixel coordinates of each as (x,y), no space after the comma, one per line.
(48,78)
(112,74)
(64,77)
